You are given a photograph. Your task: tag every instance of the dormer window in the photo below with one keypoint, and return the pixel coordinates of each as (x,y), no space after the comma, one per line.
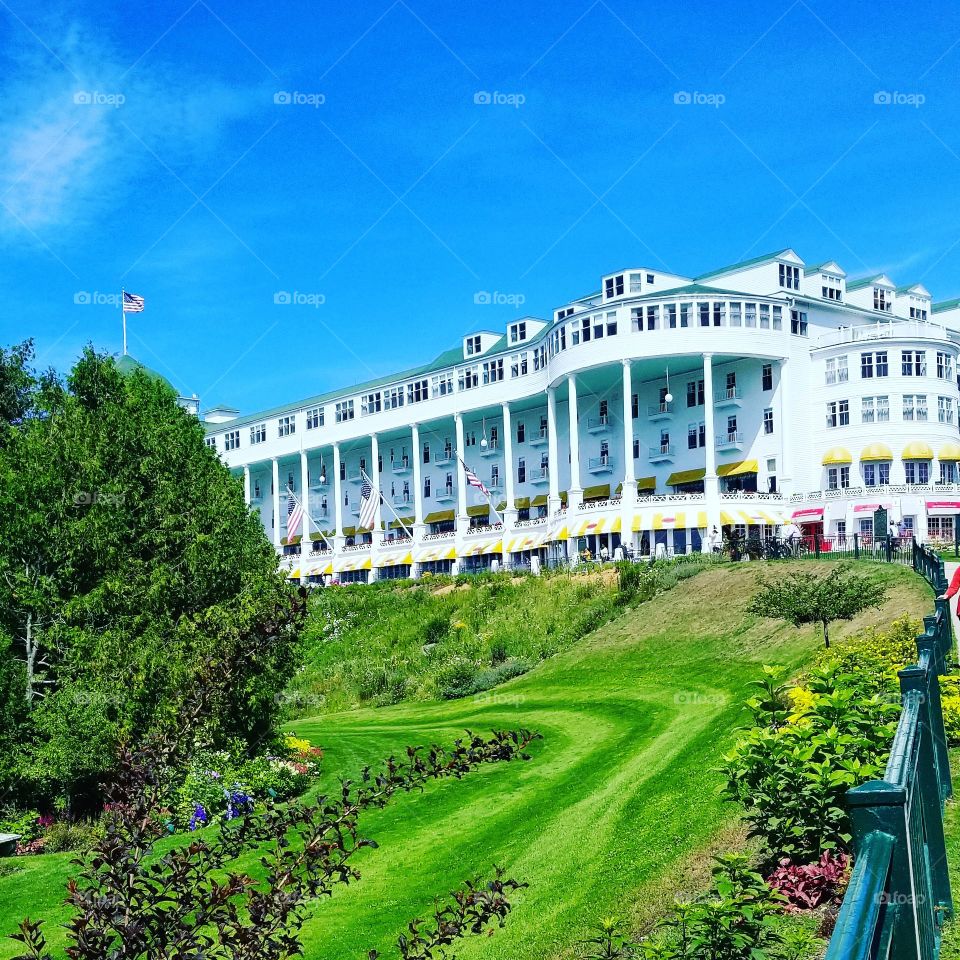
(789,276)
(882,300)
(918,309)
(564,313)
(831,289)
(636,282)
(614,286)
(473,345)
(518,332)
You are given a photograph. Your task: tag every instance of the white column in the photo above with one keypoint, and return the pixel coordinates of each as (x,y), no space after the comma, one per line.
(276,502)
(575,495)
(785,466)
(305,500)
(552,454)
(374,474)
(417,474)
(629,473)
(509,511)
(337,500)
(711,485)
(246,485)
(458,472)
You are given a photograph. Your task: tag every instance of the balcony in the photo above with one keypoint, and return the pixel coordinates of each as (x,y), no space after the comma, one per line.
(495,482)
(660,411)
(445,495)
(598,424)
(256,496)
(401,467)
(731,397)
(538,476)
(540,439)
(355,477)
(600,465)
(730,441)
(402,501)
(444,459)
(322,514)
(317,487)
(662,453)
(492,449)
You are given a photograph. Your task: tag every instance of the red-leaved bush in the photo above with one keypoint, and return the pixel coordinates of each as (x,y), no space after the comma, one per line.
(806,886)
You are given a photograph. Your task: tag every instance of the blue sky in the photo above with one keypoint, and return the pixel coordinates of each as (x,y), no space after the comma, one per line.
(143,147)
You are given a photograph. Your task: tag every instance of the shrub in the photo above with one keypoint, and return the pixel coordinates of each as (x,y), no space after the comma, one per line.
(493,676)
(456,679)
(26,823)
(66,835)
(950,701)
(808,885)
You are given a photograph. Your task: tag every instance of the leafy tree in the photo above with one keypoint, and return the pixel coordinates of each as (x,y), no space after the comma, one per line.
(127,556)
(802,598)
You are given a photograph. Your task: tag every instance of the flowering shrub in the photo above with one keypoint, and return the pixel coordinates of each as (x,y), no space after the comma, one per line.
(808,885)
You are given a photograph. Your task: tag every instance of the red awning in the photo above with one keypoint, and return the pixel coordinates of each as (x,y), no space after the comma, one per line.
(943,506)
(811,513)
(870,507)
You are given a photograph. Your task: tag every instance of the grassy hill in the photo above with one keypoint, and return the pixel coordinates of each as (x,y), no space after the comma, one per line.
(618,809)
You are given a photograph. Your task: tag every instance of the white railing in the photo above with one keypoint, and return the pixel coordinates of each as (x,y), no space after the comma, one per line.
(532,522)
(486,528)
(751,495)
(448,535)
(321,553)
(890,330)
(881,490)
(659,409)
(600,504)
(355,547)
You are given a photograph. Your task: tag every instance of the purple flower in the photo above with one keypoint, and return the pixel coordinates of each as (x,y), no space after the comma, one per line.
(199,817)
(238,802)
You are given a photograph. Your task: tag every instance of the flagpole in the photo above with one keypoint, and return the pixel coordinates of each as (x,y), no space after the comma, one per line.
(383,500)
(306,513)
(123,314)
(487,495)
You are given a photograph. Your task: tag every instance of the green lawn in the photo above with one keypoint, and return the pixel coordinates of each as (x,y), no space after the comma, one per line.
(617,810)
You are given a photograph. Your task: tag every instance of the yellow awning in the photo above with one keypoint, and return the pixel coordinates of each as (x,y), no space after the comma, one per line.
(437,551)
(349,531)
(949,451)
(355,562)
(754,517)
(836,455)
(482,545)
(876,451)
(670,521)
(728,518)
(917,450)
(617,525)
(532,540)
(395,558)
(600,492)
(321,569)
(439,516)
(686,476)
(521,503)
(294,574)
(401,523)
(561,533)
(647,483)
(702,518)
(480,510)
(587,525)
(539,501)
(739,468)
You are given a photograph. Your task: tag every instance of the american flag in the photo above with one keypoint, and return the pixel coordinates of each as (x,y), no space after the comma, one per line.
(132,303)
(474,480)
(368,503)
(294,515)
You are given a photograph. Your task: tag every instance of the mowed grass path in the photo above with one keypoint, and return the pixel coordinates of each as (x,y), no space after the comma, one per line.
(615,810)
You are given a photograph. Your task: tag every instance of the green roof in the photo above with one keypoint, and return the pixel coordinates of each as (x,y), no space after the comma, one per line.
(908,287)
(946,305)
(127,366)
(863,282)
(695,289)
(743,264)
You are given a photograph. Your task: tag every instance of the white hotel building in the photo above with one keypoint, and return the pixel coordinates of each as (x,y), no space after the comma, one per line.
(647,413)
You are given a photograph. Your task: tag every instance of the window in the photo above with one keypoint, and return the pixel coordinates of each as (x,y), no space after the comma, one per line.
(671,315)
(635,406)
(798,322)
(343,411)
(882,367)
(830,373)
(343,469)
(944,411)
(830,289)
(867,410)
(635,282)
(768,420)
(649,278)
(914,363)
(704,311)
(732,383)
(944,366)
(653,316)
(521,432)
(426,453)
(764,316)
(258,433)
(493,371)
(604,410)
(692,435)
(286,426)
(838,478)
(948,471)
(518,365)
(876,474)
(521,470)
(918,313)
(789,276)
(518,332)
(441,385)
(844,410)
(636,448)
(370,403)
(917,471)
(612,323)
(940,528)
(314,418)
(468,378)
(766,376)
(210,442)
(882,299)
(418,391)
(734,313)
(473,346)
(883,409)
(695,393)
(866,366)
(393,398)
(232,440)
(613,286)
(426,488)
(685,310)
(838,413)
(832,413)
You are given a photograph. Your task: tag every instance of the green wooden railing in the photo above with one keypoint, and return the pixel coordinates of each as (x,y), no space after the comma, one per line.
(899,892)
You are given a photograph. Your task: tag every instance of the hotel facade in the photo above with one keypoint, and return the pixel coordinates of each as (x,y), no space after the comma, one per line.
(649,414)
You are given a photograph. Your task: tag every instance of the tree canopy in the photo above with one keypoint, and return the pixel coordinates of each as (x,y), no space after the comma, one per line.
(127,557)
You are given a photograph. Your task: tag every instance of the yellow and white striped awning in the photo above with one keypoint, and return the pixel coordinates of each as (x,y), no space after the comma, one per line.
(482,545)
(754,516)
(294,573)
(529,540)
(321,569)
(355,562)
(584,526)
(395,558)
(670,520)
(438,551)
